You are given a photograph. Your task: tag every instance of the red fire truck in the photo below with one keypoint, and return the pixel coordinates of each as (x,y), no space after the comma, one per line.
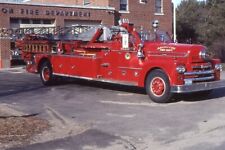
(121,55)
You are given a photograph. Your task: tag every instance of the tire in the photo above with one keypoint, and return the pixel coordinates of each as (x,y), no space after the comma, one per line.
(46,74)
(158,87)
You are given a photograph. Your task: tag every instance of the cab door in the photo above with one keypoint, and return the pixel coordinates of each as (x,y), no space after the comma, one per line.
(128,66)
(128,62)
(108,66)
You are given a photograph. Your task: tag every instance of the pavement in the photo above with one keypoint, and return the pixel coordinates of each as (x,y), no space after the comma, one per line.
(100,116)
(88,140)
(19,68)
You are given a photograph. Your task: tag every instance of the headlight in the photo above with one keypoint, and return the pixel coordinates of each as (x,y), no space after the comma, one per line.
(203,54)
(181,69)
(219,67)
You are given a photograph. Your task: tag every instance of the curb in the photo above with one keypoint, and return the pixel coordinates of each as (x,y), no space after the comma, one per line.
(13,68)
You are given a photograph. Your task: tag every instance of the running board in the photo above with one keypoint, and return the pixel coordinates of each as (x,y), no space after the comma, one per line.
(100,80)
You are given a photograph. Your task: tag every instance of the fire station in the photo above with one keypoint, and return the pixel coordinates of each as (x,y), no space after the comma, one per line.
(54,13)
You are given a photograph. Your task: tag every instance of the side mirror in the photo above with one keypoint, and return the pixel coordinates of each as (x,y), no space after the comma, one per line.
(140,53)
(140,45)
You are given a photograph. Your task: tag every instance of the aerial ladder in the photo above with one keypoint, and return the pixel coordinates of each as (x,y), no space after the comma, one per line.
(47,34)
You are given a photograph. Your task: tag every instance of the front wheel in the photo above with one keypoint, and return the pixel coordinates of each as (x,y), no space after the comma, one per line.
(158,87)
(46,73)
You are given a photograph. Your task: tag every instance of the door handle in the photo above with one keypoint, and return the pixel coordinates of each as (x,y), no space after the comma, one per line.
(105,65)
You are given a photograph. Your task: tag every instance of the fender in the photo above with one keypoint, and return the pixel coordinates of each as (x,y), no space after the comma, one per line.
(167,67)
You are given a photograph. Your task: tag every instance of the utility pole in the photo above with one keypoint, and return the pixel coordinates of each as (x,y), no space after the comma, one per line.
(174,24)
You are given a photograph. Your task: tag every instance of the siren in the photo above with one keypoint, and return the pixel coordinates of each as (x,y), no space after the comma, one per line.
(155,24)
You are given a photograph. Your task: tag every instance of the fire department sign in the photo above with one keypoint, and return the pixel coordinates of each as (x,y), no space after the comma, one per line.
(36,12)
(166,48)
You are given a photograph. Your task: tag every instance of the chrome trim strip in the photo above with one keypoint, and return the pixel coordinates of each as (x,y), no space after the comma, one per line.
(77,56)
(123,51)
(199,72)
(100,80)
(200,79)
(130,68)
(196,87)
(66,75)
(164,54)
(202,67)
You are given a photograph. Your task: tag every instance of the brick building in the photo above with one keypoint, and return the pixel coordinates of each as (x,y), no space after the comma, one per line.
(51,13)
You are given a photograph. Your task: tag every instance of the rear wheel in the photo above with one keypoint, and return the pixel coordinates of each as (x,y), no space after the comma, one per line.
(46,73)
(158,87)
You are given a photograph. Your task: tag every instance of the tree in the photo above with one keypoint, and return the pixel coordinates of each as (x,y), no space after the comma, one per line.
(187,19)
(215,29)
(203,22)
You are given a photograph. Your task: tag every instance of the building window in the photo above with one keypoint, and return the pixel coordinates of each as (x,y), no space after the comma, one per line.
(123,5)
(87,2)
(143,1)
(159,6)
(36,21)
(25,21)
(14,20)
(47,21)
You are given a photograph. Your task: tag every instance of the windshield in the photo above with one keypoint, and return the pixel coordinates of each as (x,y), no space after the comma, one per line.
(160,36)
(108,33)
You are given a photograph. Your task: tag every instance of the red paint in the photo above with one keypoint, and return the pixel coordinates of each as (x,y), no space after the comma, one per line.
(107,60)
(157,86)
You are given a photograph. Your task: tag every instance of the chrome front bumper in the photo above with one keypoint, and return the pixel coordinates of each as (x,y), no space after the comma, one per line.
(195,87)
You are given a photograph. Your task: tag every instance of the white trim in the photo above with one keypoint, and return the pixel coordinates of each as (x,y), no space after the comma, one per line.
(142,2)
(162,8)
(159,14)
(128,6)
(59,5)
(124,12)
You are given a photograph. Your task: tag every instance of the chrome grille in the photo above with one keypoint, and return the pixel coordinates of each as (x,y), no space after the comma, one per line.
(202,66)
(199,73)
(200,79)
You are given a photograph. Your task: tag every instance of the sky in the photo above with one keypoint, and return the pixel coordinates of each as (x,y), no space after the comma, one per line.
(176,2)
